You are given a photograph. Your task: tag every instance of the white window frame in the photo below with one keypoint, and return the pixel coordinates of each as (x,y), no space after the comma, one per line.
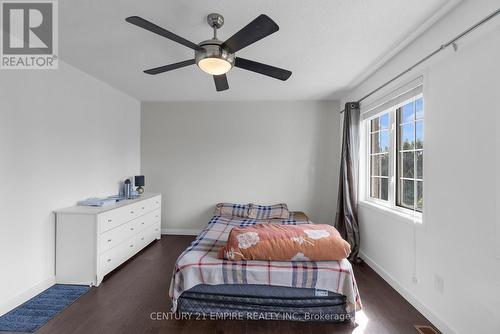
(368,165)
(390,205)
(414,150)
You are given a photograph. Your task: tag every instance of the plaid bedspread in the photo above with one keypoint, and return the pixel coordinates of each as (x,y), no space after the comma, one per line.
(199,264)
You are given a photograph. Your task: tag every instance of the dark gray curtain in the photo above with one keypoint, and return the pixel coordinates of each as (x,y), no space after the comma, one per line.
(346,221)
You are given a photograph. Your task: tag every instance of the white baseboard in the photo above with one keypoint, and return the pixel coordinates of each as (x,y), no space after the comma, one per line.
(180,231)
(426,311)
(15,301)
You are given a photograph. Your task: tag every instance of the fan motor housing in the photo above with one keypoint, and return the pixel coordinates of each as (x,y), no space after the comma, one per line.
(212,49)
(215,20)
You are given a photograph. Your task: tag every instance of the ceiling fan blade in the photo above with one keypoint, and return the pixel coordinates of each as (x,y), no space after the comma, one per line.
(221,82)
(145,24)
(170,67)
(270,71)
(256,30)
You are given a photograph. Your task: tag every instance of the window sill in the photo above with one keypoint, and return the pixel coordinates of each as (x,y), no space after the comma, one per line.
(407,217)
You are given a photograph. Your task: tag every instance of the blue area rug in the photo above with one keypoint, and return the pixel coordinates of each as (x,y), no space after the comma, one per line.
(33,314)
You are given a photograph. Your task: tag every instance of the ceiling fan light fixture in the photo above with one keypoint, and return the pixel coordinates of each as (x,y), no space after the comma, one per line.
(216,57)
(214,65)
(211,58)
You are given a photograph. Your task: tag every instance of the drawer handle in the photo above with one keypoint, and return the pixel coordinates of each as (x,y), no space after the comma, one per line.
(142,238)
(131,228)
(142,223)
(108,260)
(110,220)
(132,245)
(109,240)
(156,216)
(142,208)
(132,212)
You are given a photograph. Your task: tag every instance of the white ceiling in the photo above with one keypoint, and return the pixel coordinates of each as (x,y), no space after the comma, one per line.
(326,44)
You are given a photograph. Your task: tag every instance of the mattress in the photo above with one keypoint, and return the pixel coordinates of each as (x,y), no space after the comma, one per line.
(263,302)
(198,267)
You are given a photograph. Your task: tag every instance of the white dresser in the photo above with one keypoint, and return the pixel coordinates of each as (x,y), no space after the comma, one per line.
(92,241)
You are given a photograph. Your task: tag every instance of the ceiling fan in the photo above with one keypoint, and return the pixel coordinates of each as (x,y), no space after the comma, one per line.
(216,57)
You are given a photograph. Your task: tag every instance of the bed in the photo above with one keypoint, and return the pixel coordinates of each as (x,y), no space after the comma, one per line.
(209,287)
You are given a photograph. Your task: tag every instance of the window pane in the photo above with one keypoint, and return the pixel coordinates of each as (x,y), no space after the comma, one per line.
(380,142)
(375,124)
(407,113)
(420,164)
(384,121)
(375,143)
(410,140)
(420,195)
(407,136)
(379,188)
(375,187)
(375,165)
(380,165)
(384,141)
(407,195)
(419,131)
(384,189)
(407,164)
(380,123)
(384,164)
(419,110)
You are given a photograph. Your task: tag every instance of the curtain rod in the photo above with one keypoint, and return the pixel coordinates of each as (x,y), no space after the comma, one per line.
(430,55)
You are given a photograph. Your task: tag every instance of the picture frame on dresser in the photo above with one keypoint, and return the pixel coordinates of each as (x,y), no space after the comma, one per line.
(93,241)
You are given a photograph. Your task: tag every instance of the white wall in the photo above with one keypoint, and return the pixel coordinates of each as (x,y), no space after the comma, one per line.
(497,177)
(199,154)
(64,136)
(457,241)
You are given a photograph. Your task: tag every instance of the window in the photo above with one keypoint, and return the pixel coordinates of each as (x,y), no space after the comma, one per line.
(410,148)
(379,157)
(395,153)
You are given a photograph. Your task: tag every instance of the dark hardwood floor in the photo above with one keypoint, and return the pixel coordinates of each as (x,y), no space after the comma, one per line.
(126,298)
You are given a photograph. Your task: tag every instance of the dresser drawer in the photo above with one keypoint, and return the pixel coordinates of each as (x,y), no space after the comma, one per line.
(107,262)
(150,218)
(149,234)
(154,230)
(113,237)
(113,218)
(149,205)
(147,220)
(112,258)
